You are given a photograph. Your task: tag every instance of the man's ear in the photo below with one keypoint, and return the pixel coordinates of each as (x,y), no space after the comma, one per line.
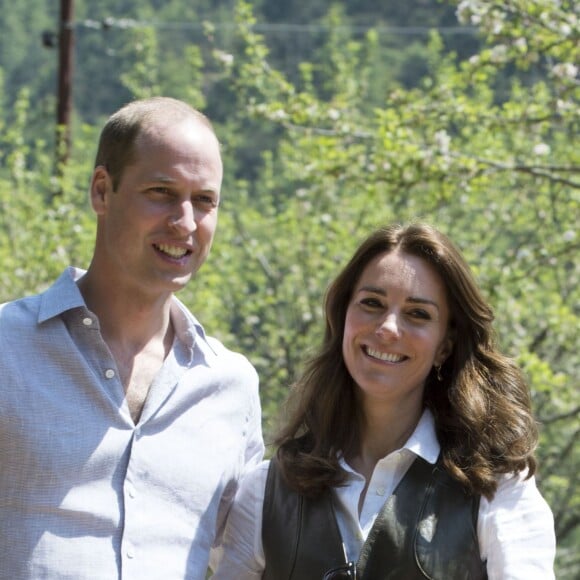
(101,187)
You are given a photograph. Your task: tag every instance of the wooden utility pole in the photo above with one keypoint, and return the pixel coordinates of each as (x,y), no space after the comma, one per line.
(65,69)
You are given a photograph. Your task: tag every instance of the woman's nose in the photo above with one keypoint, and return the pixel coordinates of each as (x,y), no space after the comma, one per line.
(389,326)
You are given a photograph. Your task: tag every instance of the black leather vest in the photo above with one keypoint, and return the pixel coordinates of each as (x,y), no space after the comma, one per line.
(426,529)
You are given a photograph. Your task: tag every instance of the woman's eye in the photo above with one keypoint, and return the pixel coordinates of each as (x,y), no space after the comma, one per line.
(420,314)
(371,302)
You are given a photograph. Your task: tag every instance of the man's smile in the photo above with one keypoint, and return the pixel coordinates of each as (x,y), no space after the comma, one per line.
(172,251)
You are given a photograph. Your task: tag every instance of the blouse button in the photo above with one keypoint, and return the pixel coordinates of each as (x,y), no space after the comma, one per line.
(109,373)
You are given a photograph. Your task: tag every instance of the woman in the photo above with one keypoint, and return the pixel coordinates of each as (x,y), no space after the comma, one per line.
(409,449)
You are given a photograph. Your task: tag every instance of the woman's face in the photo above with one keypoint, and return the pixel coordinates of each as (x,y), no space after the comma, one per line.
(396,329)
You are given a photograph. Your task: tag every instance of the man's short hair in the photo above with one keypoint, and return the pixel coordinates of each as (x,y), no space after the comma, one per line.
(116,148)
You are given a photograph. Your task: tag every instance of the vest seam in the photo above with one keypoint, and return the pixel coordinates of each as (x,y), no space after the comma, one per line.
(426,498)
(297,537)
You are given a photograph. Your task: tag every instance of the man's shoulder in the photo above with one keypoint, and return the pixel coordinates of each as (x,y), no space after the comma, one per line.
(223,351)
(192,332)
(218,347)
(57,296)
(20,310)
(233,364)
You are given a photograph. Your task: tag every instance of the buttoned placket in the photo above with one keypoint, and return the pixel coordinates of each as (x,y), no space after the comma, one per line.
(380,488)
(133,512)
(135,498)
(131,515)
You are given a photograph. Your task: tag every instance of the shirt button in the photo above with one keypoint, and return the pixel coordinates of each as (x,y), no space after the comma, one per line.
(130,554)
(131,491)
(381,491)
(109,373)
(87,321)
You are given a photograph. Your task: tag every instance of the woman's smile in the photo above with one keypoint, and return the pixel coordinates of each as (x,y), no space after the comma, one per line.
(396,327)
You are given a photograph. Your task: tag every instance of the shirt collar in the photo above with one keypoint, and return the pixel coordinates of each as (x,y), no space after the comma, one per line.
(422,442)
(65,295)
(187,327)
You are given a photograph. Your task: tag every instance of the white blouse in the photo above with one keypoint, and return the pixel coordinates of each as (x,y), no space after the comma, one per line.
(515,529)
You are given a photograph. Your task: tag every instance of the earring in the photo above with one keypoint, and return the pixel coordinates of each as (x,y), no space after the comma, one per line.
(438,373)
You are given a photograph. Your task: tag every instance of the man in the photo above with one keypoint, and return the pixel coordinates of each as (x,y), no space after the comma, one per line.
(123,427)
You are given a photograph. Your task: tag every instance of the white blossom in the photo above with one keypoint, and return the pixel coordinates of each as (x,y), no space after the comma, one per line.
(569,236)
(498,52)
(442,140)
(334,114)
(541,149)
(469,12)
(564,106)
(463,11)
(225,57)
(523,253)
(278,115)
(497,24)
(565,70)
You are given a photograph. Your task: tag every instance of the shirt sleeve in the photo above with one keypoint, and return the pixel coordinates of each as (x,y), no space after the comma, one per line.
(241,554)
(516,532)
(255,446)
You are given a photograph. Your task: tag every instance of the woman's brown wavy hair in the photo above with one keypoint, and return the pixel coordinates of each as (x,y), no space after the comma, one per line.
(481,406)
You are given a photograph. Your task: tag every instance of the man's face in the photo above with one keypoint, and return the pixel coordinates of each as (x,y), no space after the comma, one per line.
(156,229)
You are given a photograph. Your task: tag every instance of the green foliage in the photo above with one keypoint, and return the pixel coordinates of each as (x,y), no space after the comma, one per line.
(482,148)
(45,225)
(483,145)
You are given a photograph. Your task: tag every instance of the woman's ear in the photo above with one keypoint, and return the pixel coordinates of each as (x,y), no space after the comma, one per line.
(445,348)
(101,186)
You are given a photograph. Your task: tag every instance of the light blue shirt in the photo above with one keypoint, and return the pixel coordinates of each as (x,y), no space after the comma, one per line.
(84,492)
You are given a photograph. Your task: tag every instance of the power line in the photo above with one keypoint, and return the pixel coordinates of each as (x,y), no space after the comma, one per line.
(269,27)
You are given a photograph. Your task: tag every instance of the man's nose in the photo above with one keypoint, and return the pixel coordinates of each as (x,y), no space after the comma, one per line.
(183,219)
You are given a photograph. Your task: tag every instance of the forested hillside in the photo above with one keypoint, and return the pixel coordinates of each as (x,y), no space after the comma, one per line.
(335,118)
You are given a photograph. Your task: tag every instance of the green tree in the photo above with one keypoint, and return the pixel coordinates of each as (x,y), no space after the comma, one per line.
(41,232)
(485,148)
